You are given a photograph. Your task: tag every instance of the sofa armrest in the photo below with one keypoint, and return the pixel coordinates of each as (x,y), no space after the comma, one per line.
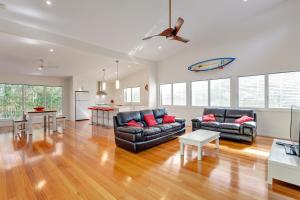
(180,120)
(130,129)
(251,124)
(198,119)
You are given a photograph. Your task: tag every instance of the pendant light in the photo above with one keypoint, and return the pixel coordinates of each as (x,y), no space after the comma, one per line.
(103,83)
(101,86)
(117,81)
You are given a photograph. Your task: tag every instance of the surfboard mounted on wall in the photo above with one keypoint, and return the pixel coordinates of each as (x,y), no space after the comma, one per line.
(212,64)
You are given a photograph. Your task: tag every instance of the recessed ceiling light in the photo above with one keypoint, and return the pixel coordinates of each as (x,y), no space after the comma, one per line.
(48,3)
(51,50)
(245,0)
(129,66)
(159,47)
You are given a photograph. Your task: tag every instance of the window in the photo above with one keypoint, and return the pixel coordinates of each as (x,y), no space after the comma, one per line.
(179,94)
(11,104)
(220,92)
(252,91)
(34,96)
(132,95)
(16,99)
(54,99)
(136,95)
(127,95)
(284,90)
(166,94)
(200,93)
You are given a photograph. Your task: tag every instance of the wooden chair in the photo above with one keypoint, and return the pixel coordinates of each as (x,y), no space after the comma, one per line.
(61,119)
(19,126)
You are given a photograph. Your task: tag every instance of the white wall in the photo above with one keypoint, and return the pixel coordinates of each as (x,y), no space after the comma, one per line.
(267,43)
(39,80)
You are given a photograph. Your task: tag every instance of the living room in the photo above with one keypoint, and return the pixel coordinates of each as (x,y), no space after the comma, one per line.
(86,114)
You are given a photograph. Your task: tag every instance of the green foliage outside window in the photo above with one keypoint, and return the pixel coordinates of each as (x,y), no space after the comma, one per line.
(14,99)
(11,103)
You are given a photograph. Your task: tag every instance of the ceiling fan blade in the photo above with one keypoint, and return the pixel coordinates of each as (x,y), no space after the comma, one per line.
(178,25)
(166,33)
(147,38)
(181,39)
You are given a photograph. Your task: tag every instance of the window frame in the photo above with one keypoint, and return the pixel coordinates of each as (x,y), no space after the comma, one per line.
(44,95)
(267,89)
(208,93)
(160,100)
(186,95)
(131,102)
(266,92)
(230,92)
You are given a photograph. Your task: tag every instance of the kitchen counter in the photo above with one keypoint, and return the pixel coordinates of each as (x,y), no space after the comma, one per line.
(103,115)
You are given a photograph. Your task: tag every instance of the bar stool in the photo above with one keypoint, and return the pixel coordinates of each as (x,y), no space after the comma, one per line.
(107,110)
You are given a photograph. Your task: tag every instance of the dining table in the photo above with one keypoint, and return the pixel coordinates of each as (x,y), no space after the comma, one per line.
(45,114)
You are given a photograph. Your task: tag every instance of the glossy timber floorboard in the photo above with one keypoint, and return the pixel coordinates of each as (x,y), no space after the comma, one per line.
(84,163)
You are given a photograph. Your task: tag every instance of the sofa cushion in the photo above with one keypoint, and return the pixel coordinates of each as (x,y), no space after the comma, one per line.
(164,127)
(211,124)
(134,123)
(233,126)
(168,119)
(251,124)
(175,125)
(159,113)
(209,118)
(124,117)
(151,131)
(130,129)
(145,112)
(219,113)
(233,114)
(243,119)
(232,131)
(150,120)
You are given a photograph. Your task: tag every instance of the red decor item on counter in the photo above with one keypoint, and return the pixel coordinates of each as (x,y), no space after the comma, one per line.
(150,120)
(39,109)
(244,119)
(168,119)
(209,118)
(134,123)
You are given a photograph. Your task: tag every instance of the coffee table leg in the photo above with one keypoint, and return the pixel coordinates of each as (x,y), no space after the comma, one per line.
(218,143)
(199,152)
(181,148)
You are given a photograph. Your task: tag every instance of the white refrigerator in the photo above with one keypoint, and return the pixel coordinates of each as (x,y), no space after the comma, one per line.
(82,103)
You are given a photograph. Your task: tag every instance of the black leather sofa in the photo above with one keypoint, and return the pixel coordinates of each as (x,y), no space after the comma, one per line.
(136,139)
(225,123)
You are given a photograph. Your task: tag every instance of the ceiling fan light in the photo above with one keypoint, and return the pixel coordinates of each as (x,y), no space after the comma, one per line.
(117,84)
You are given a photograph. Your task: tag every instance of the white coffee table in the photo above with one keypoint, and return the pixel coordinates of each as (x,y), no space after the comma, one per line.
(198,138)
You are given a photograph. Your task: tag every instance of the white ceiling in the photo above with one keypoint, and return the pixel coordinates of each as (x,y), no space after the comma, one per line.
(90,35)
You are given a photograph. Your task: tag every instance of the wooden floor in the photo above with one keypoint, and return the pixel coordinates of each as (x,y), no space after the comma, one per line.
(84,163)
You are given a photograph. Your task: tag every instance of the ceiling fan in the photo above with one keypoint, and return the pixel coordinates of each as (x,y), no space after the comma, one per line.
(171,33)
(43,66)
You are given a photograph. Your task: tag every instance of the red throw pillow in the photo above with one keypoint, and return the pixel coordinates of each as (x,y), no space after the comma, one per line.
(133,123)
(243,119)
(150,120)
(209,118)
(168,119)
